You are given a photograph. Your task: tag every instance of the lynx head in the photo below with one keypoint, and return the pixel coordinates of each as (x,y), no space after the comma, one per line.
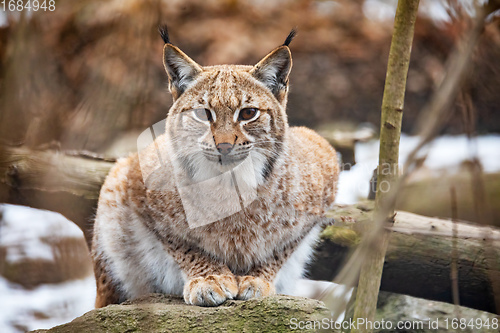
(224,115)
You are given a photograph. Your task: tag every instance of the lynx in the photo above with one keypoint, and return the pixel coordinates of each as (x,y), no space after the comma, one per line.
(227,203)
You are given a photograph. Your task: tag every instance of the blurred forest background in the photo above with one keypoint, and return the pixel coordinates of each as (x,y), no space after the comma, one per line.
(91,71)
(88,78)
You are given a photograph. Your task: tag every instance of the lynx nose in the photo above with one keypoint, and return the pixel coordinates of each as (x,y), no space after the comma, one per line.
(224,148)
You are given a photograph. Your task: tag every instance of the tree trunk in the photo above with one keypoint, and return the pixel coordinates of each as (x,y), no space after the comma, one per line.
(390,132)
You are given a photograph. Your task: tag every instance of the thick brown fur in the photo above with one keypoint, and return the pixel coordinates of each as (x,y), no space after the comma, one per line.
(144,238)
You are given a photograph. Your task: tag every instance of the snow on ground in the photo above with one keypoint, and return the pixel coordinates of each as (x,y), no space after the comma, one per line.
(444,153)
(44,307)
(450,151)
(23,229)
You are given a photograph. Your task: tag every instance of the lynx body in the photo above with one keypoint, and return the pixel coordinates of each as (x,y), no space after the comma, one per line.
(228,203)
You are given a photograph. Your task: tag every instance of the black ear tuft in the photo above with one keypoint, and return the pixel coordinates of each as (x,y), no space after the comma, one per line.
(163,30)
(291,35)
(181,70)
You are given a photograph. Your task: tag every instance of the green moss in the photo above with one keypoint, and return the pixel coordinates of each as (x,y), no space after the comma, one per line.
(341,235)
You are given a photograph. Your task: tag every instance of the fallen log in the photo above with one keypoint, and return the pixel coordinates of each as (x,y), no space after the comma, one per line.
(64,182)
(417,262)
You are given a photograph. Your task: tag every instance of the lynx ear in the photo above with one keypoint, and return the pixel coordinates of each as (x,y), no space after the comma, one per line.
(274,70)
(181,69)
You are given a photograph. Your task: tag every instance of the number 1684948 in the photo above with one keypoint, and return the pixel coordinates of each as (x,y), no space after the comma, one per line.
(27,5)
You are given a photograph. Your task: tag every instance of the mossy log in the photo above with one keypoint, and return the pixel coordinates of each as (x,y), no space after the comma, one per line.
(419,255)
(159,313)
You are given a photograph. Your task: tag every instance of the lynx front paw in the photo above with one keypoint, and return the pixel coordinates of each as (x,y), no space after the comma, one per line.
(211,290)
(251,286)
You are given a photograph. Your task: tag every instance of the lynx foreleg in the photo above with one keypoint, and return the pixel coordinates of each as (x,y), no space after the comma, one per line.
(209,282)
(280,272)
(259,280)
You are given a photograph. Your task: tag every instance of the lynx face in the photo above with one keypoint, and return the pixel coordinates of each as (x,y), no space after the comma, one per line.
(227,115)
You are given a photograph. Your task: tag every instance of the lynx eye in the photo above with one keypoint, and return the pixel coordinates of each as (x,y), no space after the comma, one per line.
(248,114)
(203,114)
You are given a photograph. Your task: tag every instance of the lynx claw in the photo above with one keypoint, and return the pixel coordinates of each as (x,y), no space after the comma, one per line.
(211,290)
(251,286)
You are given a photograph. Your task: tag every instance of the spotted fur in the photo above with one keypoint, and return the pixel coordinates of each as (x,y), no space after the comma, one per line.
(144,240)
